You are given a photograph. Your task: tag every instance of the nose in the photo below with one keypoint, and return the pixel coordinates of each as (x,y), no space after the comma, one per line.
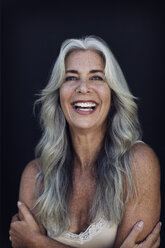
(83,87)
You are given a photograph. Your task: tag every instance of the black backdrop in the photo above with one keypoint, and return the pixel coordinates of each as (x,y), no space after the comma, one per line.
(32,33)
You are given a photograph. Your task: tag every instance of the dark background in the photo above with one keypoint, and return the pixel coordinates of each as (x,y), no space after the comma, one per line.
(32,33)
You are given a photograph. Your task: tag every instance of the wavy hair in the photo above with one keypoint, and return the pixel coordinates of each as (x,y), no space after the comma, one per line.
(55,148)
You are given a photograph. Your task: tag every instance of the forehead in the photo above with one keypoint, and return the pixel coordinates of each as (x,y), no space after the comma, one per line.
(88,59)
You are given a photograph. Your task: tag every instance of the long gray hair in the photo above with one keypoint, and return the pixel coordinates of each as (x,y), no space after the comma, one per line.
(56,153)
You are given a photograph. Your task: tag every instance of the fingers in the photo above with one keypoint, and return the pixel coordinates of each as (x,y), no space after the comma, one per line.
(24,212)
(129,242)
(150,245)
(157,243)
(153,239)
(15,243)
(15,218)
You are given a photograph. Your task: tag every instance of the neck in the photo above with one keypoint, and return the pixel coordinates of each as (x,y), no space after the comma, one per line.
(86,146)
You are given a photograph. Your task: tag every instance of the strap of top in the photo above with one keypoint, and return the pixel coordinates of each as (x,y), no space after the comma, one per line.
(139,141)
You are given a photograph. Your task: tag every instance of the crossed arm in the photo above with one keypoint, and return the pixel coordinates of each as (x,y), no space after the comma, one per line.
(146,174)
(146,205)
(26,233)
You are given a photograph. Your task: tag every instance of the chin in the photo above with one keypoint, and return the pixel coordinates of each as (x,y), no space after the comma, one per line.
(82,125)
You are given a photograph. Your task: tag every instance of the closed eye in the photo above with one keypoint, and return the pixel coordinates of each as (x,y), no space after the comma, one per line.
(70,78)
(96,78)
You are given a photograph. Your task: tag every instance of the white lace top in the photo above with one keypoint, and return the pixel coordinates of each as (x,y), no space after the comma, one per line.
(100,234)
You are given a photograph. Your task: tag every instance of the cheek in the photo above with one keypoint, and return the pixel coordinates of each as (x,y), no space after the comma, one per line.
(65,94)
(106,95)
(61,93)
(107,103)
(63,98)
(66,90)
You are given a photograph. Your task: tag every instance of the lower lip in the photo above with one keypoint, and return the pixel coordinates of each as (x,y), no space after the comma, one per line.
(82,112)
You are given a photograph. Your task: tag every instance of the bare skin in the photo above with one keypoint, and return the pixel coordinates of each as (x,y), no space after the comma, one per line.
(21,230)
(87,132)
(27,230)
(146,174)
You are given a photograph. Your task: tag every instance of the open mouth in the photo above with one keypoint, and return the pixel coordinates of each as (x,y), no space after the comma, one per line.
(84,106)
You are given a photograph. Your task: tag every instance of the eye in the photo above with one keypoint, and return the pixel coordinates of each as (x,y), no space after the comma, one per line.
(96,78)
(70,78)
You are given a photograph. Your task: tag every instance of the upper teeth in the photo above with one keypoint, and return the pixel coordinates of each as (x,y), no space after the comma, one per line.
(84,104)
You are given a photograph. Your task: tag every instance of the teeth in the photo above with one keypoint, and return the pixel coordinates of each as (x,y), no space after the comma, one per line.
(85,104)
(87,109)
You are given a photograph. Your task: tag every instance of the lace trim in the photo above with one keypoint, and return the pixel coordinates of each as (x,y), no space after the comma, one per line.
(82,237)
(88,234)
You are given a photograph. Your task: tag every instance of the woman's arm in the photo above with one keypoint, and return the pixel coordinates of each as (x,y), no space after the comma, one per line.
(30,232)
(146,206)
(26,233)
(27,187)
(151,241)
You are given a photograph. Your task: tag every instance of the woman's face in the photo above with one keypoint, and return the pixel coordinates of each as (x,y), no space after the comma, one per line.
(85,96)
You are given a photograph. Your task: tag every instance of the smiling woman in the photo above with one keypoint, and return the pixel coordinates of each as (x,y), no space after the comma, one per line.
(87,186)
(85,95)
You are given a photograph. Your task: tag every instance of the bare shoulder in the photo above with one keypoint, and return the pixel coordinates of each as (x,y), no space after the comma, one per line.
(32,168)
(28,182)
(144,164)
(145,205)
(141,151)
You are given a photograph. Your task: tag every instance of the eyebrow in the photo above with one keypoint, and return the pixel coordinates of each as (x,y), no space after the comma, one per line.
(92,71)
(95,71)
(72,71)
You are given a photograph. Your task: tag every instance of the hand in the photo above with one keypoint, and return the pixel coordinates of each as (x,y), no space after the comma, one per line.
(21,230)
(152,240)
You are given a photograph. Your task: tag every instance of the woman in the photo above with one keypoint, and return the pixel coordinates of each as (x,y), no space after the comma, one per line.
(89,184)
